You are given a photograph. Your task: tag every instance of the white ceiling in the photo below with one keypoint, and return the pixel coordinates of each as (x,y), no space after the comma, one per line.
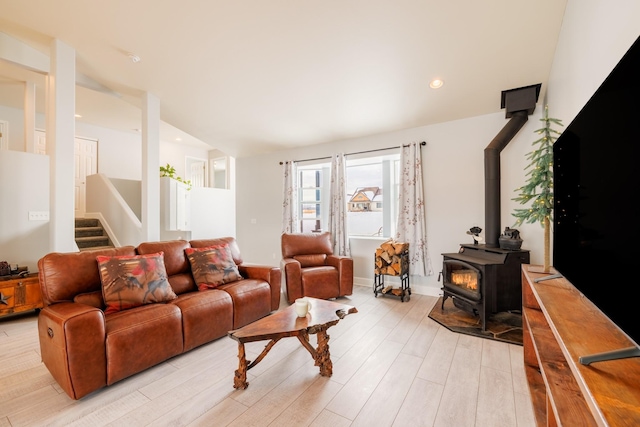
(253,76)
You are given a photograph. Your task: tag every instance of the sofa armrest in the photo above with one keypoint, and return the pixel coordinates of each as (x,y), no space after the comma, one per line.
(293,278)
(344,264)
(271,275)
(72,345)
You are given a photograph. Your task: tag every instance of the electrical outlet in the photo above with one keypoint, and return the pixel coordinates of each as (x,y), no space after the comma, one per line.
(38,215)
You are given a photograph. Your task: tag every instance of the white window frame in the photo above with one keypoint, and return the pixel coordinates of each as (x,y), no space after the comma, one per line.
(390,188)
(390,185)
(322,202)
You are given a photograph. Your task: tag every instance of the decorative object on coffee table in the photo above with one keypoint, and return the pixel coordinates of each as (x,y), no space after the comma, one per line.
(286,323)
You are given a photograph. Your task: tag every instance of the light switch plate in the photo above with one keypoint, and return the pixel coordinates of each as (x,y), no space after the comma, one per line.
(38,215)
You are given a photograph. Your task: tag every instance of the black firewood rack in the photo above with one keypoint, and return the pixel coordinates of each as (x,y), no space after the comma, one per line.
(404,292)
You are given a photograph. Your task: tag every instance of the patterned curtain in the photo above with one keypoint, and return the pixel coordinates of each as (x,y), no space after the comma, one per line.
(411,225)
(290,203)
(338,208)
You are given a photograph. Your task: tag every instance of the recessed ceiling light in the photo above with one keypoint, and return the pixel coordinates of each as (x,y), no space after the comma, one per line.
(436,84)
(178,139)
(77,115)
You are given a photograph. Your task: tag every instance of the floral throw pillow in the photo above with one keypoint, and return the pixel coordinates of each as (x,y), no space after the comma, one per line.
(212,266)
(131,281)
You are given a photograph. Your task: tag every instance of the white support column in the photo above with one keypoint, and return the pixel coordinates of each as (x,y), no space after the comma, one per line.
(150,167)
(30,117)
(61,100)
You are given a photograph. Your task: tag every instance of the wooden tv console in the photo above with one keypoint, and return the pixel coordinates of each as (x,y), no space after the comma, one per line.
(561,325)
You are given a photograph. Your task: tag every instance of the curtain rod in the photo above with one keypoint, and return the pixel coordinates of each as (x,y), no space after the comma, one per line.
(423,143)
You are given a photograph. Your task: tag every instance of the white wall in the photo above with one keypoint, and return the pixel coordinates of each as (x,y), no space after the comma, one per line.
(175,154)
(24,187)
(453,162)
(111,146)
(131,192)
(15,118)
(594,36)
(213,210)
(213,213)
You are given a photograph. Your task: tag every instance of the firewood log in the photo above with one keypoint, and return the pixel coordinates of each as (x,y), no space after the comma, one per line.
(388,258)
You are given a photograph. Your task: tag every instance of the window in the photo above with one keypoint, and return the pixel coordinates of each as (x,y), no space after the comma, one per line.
(314,182)
(372,195)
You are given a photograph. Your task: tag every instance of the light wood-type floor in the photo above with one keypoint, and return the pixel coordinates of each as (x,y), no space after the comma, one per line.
(392,366)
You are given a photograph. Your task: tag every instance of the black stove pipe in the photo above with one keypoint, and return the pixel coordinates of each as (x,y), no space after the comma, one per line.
(492,176)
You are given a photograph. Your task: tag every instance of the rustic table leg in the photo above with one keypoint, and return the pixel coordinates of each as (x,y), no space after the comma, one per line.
(240,379)
(323,358)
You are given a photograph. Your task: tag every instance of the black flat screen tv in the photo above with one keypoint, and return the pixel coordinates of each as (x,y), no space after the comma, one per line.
(596,226)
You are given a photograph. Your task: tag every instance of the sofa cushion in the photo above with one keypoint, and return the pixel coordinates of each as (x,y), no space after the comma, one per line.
(306,244)
(320,282)
(140,338)
(212,266)
(182,283)
(206,316)
(62,276)
(231,241)
(251,300)
(311,260)
(94,299)
(131,281)
(175,262)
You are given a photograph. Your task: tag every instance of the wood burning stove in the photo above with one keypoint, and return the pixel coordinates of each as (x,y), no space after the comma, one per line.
(490,276)
(483,280)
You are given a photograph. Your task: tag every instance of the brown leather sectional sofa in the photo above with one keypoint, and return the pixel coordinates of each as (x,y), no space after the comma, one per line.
(85,350)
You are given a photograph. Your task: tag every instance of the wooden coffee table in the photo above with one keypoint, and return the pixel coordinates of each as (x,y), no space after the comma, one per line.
(286,323)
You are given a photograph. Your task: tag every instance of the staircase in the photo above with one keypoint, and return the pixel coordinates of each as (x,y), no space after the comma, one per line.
(90,235)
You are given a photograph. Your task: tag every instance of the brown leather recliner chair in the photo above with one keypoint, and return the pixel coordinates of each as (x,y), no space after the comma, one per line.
(310,268)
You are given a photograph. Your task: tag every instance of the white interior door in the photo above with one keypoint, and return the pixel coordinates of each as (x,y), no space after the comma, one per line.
(86,163)
(198,174)
(196,171)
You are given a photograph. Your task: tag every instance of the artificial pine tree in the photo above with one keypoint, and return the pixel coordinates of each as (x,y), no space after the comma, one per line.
(539,187)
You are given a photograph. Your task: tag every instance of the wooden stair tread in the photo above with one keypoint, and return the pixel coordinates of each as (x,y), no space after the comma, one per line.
(91,238)
(90,235)
(95,248)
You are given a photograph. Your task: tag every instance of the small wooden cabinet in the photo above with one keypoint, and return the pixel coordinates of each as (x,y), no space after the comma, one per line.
(559,326)
(19,294)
